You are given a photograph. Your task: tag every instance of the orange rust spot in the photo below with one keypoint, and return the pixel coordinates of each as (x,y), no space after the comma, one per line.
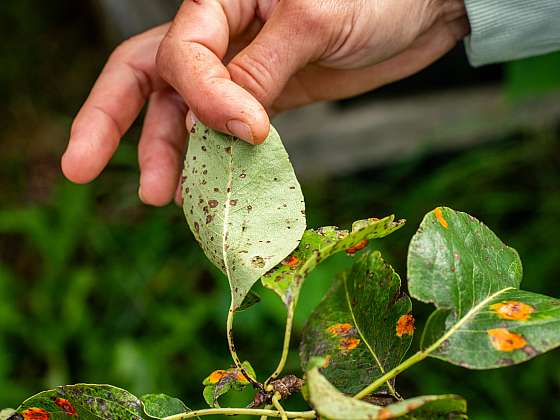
(405,325)
(349,343)
(239,377)
(291,261)
(340,329)
(513,309)
(504,340)
(66,406)
(385,414)
(360,245)
(35,413)
(440,218)
(217,375)
(326,362)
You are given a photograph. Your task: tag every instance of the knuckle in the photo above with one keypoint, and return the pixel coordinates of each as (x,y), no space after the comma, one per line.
(253,74)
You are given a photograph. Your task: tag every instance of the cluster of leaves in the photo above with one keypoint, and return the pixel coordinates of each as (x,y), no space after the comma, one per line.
(248,215)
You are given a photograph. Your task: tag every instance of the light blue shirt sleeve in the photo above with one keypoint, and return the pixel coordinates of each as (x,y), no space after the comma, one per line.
(504,30)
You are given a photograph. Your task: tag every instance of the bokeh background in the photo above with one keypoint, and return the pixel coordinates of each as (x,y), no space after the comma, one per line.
(96,287)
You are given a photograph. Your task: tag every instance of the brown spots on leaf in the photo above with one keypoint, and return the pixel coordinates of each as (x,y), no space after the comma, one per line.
(227,150)
(348,343)
(213,203)
(513,310)
(257,261)
(35,413)
(196,226)
(440,218)
(66,406)
(209,218)
(217,375)
(233,202)
(291,261)
(360,245)
(504,340)
(405,325)
(341,329)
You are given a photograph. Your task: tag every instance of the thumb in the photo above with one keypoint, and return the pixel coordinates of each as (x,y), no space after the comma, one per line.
(284,45)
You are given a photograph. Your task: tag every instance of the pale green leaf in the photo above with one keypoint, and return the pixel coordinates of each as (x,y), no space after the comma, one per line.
(362,328)
(332,404)
(317,245)
(161,405)
(483,320)
(243,204)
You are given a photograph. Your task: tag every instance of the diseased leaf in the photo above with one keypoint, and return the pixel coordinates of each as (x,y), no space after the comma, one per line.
(316,246)
(332,404)
(362,327)
(220,382)
(6,413)
(83,401)
(482,319)
(161,405)
(243,203)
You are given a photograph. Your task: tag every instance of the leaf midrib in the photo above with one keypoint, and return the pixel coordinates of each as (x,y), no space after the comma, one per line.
(229,191)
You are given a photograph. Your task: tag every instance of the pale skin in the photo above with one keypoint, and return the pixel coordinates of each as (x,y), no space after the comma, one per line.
(232,63)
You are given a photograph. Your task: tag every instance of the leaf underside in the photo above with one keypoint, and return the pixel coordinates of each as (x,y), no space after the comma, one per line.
(317,245)
(95,402)
(356,326)
(332,404)
(482,319)
(243,204)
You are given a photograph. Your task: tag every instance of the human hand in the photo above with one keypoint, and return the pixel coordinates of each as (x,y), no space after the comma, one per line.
(233,62)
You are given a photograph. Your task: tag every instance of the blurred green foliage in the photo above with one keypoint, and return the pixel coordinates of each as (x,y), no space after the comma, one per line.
(95,287)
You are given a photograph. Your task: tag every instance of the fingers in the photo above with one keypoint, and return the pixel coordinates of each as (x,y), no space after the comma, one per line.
(114,102)
(190,59)
(281,48)
(161,148)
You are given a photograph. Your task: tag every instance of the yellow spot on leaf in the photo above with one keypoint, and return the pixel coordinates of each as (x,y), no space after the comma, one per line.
(440,218)
(215,376)
(405,325)
(385,414)
(341,329)
(513,310)
(326,362)
(349,343)
(504,340)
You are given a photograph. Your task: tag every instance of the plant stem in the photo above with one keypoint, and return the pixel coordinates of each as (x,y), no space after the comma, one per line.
(233,352)
(242,411)
(276,402)
(286,343)
(421,355)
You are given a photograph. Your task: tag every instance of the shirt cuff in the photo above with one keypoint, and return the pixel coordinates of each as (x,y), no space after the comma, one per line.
(503,30)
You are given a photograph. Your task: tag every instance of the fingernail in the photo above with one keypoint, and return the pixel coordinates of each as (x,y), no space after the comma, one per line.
(191,121)
(240,129)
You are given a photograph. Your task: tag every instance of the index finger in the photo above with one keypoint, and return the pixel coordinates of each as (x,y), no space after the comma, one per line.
(190,59)
(115,101)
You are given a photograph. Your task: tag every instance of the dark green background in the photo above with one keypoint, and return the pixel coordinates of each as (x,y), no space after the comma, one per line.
(95,287)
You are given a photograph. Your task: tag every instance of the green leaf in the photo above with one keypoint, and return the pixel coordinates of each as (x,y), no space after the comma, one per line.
(220,382)
(252,298)
(161,405)
(84,400)
(316,246)
(243,204)
(483,320)
(332,404)
(362,327)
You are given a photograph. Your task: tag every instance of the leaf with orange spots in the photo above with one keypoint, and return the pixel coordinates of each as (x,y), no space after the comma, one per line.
(96,402)
(483,320)
(243,204)
(332,404)
(222,381)
(354,326)
(316,246)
